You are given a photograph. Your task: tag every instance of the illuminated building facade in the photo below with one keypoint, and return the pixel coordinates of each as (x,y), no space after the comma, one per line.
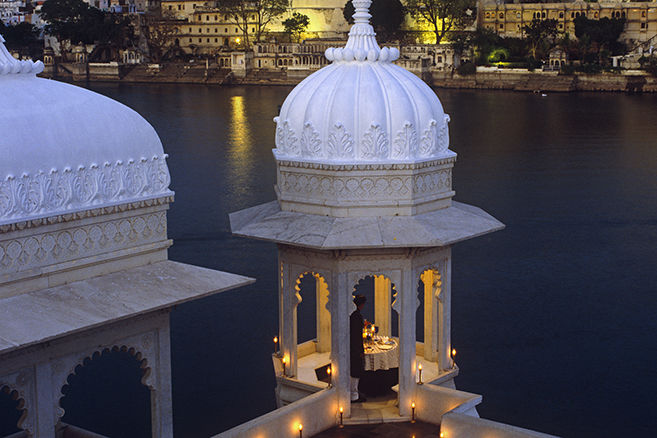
(508,19)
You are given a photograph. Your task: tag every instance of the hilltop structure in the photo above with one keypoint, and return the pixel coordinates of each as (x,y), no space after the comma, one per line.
(83,246)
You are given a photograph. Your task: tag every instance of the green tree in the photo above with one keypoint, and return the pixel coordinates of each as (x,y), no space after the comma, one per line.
(539,31)
(296,25)
(77,22)
(604,32)
(387,15)
(253,16)
(569,46)
(23,38)
(444,15)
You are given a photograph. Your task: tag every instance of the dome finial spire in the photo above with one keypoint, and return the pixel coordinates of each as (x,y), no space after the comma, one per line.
(362,44)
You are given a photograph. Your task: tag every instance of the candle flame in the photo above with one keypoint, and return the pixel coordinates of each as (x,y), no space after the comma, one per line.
(275,339)
(328,370)
(453,352)
(420,367)
(341,410)
(413,405)
(300,426)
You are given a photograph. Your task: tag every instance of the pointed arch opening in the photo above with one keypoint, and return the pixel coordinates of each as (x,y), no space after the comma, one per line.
(381,361)
(313,318)
(12,412)
(91,383)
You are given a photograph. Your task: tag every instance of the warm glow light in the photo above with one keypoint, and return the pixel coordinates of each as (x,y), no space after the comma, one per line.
(237,40)
(419,367)
(328,371)
(284,360)
(442,435)
(275,339)
(341,410)
(453,353)
(413,405)
(300,426)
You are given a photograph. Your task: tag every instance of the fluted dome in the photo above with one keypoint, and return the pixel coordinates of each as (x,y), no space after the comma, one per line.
(362,108)
(66,149)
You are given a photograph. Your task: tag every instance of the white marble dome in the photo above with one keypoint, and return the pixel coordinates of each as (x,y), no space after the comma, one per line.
(362,108)
(66,149)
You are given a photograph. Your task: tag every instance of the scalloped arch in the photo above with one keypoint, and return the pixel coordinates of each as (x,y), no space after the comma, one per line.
(147,380)
(22,403)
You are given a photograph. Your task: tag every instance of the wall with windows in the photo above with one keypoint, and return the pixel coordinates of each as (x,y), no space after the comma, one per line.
(508,19)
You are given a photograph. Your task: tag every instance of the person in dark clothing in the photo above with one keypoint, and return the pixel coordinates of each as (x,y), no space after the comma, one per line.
(356,349)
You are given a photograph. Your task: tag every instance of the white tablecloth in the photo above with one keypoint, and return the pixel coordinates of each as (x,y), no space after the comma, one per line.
(379,359)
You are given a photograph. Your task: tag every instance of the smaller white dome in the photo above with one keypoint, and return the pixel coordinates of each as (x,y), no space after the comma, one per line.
(66,149)
(362,108)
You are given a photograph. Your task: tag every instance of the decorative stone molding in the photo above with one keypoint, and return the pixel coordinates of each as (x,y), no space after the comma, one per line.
(38,250)
(66,191)
(84,214)
(365,190)
(22,382)
(374,144)
(144,346)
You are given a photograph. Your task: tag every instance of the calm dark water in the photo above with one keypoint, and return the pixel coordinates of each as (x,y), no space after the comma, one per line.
(554,318)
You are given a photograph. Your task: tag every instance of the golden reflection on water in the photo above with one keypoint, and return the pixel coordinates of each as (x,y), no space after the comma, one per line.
(241,148)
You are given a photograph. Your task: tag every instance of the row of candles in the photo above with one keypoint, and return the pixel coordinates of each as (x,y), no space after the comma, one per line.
(328,370)
(341,423)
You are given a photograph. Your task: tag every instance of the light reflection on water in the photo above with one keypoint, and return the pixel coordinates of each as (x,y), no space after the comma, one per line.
(553,318)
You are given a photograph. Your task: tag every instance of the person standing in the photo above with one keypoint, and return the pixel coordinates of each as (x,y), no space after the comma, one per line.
(356,349)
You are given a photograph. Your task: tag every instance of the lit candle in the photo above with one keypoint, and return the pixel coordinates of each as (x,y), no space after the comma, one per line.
(328,373)
(413,412)
(453,362)
(419,367)
(283,366)
(300,430)
(276,345)
(341,412)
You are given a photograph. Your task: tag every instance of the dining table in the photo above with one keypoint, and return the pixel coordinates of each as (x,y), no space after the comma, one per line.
(381,354)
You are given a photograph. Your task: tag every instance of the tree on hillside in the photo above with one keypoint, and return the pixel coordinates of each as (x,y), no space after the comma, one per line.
(160,30)
(253,16)
(604,32)
(444,15)
(77,22)
(538,32)
(387,15)
(296,25)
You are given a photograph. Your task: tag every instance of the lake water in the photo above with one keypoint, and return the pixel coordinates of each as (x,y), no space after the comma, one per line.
(554,318)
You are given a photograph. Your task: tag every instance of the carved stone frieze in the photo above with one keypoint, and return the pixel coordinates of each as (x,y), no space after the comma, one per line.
(407,142)
(25,197)
(84,214)
(51,247)
(375,187)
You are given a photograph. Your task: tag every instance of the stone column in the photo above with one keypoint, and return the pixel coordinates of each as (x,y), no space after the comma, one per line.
(289,300)
(47,408)
(406,306)
(341,306)
(323,316)
(161,400)
(432,289)
(444,316)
